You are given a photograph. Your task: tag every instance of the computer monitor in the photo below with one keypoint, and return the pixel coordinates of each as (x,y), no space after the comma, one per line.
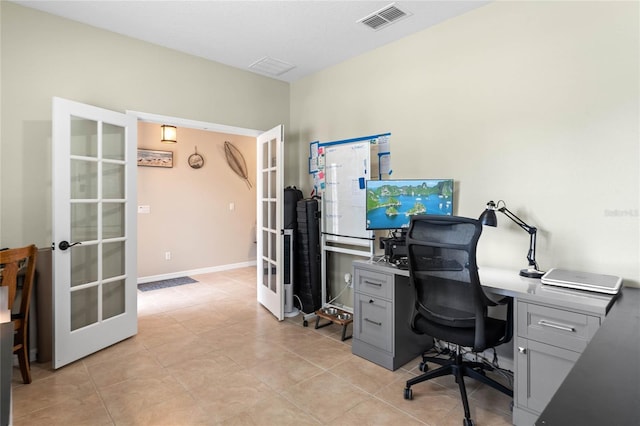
(392,202)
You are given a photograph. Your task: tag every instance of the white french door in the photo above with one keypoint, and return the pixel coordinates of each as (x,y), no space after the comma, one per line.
(270,291)
(94,229)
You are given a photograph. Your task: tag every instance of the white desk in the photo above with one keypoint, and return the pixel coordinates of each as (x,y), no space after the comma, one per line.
(552,326)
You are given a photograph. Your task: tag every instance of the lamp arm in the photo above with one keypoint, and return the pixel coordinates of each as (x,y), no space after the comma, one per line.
(521,223)
(531,256)
(532,230)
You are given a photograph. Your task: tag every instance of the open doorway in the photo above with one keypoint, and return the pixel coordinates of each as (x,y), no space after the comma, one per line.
(194,220)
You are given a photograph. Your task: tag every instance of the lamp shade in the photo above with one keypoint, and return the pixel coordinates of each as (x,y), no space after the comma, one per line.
(168,134)
(488,217)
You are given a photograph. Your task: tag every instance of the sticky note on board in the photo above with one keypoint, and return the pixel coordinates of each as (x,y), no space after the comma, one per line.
(361,182)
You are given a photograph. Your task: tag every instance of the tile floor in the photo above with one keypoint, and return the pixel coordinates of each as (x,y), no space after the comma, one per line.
(208,354)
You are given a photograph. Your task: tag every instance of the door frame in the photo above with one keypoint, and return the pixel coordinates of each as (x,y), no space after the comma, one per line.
(191,124)
(194,124)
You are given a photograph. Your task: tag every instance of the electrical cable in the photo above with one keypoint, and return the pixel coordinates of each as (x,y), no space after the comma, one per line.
(339,294)
(299,303)
(443,348)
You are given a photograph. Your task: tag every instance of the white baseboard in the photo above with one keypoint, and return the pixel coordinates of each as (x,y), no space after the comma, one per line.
(151,278)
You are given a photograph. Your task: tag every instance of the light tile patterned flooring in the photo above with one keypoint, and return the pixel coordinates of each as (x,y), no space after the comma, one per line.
(208,354)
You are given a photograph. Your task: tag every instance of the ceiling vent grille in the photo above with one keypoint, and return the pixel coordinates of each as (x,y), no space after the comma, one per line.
(271,66)
(384,17)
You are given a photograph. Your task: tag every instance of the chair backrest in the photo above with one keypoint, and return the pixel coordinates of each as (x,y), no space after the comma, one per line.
(443,269)
(12,261)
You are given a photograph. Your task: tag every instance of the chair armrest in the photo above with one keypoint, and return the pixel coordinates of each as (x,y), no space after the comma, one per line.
(509,326)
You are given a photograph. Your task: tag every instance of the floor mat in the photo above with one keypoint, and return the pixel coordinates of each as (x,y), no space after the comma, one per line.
(155,285)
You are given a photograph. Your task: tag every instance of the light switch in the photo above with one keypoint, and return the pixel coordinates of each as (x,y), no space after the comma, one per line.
(232,206)
(144,209)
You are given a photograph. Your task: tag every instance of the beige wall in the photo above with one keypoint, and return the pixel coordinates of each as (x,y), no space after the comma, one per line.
(45,56)
(535,103)
(190,213)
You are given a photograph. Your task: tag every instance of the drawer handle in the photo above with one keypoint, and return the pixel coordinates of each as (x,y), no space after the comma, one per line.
(558,326)
(373,283)
(373,322)
(522,350)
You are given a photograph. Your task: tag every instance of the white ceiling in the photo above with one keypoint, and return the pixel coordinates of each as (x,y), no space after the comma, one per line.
(311,35)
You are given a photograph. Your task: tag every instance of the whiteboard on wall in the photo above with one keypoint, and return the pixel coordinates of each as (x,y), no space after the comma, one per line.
(347,166)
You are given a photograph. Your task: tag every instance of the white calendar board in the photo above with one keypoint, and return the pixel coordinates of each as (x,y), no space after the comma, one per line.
(345,166)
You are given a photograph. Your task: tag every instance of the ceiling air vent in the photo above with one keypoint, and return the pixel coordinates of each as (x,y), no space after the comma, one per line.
(384,17)
(271,66)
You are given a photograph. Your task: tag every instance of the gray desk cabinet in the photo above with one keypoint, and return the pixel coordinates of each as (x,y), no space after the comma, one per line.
(549,339)
(382,311)
(602,387)
(552,327)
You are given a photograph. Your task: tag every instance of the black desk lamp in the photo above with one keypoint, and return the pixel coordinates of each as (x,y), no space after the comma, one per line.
(488,218)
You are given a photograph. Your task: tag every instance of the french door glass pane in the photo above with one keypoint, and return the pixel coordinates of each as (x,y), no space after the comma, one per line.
(272,215)
(265,216)
(84,137)
(265,185)
(273,149)
(113,220)
(113,296)
(272,279)
(84,307)
(273,240)
(112,181)
(269,275)
(265,244)
(84,218)
(266,266)
(273,184)
(113,142)
(265,156)
(84,179)
(84,261)
(113,256)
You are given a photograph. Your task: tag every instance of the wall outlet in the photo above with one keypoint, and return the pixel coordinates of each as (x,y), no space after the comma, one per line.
(167,255)
(348,280)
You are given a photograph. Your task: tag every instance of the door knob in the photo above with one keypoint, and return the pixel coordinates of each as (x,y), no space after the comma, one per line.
(65,245)
(522,350)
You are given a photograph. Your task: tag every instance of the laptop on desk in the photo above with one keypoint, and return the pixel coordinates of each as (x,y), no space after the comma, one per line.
(582,281)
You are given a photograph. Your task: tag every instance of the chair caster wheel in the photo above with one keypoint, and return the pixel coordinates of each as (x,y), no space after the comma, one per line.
(467,422)
(424,367)
(305,323)
(408,394)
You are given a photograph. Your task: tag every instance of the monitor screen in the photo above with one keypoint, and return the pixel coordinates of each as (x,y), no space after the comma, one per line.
(391,203)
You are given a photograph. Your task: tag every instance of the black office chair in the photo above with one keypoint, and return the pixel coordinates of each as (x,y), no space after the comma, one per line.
(450,304)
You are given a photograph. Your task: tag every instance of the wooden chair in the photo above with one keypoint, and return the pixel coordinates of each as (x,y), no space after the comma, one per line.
(12,262)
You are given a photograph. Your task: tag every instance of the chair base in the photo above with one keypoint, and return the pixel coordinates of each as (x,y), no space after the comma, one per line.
(459,369)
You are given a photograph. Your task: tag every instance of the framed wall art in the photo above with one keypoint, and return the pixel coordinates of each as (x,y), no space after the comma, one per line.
(151,158)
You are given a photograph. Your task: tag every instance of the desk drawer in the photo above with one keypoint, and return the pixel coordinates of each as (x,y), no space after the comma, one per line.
(558,327)
(373,283)
(374,322)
